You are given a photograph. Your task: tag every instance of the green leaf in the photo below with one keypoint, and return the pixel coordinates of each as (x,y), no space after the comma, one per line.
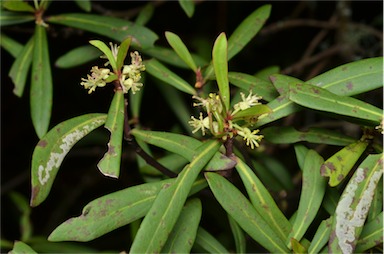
(288,135)
(85,5)
(282,82)
(117,29)
(331,198)
(338,166)
(312,194)
(267,72)
(21,66)
(238,235)
(11,18)
(107,52)
(120,208)
(78,56)
(321,236)
(244,33)
(145,14)
(53,147)
(354,204)
(184,146)
(254,84)
(158,70)
(20,247)
(25,222)
(252,113)
(109,165)
(263,201)
(220,65)
(320,99)
(162,216)
(181,50)
(135,100)
(301,152)
(122,53)
(352,78)
(184,232)
(208,242)
(236,205)
(41,84)
(188,7)
(377,203)
(297,247)
(372,234)
(17,5)
(11,46)
(173,162)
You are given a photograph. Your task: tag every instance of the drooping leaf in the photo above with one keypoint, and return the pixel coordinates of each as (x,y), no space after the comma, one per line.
(321,236)
(312,193)
(352,78)
(117,29)
(372,234)
(320,99)
(41,83)
(188,7)
(21,66)
(184,232)
(163,214)
(109,165)
(53,147)
(208,242)
(180,48)
(220,65)
(17,5)
(236,205)
(145,14)
(354,204)
(107,52)
(20,247)
(184,146)
(238,235)
(12,18)
(338,166)
(85,5)
(289,135)
(248,28)
(158,70)
(263,201)
(78,56)
(122,52)
(256,85)
(10,45)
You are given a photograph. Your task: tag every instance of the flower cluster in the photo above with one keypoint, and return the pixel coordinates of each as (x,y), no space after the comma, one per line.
(220,123)
(97,78)
(131,74)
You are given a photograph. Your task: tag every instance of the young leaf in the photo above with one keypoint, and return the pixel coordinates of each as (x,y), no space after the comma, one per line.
(320,99)
(158,70)
(338,166)
(122,52)
(109,165)
(372,234)
(78,56)
(312,193)
(41,83)
(252,113)
(188,6)
(20,247)
(162,216)
(321,236)
(220,65)
(11,18)
(117,29)
(107,52)
(20,67)
(354,204)
(11,46)
(238,206)
(181,50)
(17,5)
(53,147)
(352,78)
(184,232)
(256,85)
(238,235)
(263,201)
(247,30)
(288,135)
(208,242)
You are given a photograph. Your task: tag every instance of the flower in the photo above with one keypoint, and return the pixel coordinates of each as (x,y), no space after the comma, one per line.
(250,136)
(201,123)
(248,102)
(212,103)
(96,79)
(131,74)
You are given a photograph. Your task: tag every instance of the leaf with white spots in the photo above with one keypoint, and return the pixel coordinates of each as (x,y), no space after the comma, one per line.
(354,204)
(53,147)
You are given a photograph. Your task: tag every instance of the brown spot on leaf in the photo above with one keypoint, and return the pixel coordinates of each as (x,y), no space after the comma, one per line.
(42,143)
(272,79)
(111,150)
(349,86)
(35,191)
(339,158)
(340,177)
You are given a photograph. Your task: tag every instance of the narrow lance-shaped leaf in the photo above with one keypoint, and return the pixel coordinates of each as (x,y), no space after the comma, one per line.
(122,52)
(252,113)
(377,203)
(20,67)
(162,216)
(21,247)
(114,210)
(184,232)
(10,45)
(181,50)
(220,65)
(107,52)
(11,18)
(354,205)
(109,165)
(320,99)
(238,235)
(84,5)
(321,236)
(312,194)
(238,206)
(53,147)
(372,234)
(208,242)
(145,14)
(17,5)
(188,6)
(338,166)
(78,56)
(41,85)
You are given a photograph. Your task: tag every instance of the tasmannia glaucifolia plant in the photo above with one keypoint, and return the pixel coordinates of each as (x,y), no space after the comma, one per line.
(341,198)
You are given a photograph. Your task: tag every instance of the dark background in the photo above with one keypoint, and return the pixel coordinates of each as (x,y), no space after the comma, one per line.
(79,181)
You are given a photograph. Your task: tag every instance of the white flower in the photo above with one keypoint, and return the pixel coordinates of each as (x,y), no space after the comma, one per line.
(250,136)
(201,123)
(131,74)
(96,79)
(247,102)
